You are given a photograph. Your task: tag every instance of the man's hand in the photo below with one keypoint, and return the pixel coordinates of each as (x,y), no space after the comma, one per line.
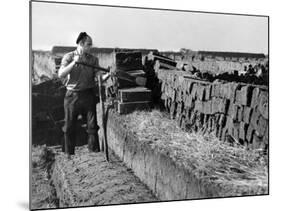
(112,72)
(65,70)
(76,58)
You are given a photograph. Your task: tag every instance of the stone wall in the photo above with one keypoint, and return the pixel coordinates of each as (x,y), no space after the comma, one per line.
(235,112)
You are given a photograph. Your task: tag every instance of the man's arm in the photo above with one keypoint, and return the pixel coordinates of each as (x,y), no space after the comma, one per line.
(67,65)
(105,76)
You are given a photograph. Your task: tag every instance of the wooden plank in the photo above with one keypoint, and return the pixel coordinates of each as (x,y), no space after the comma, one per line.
(136,73)
(136,94)
(167,66)
(125,108)
(164,59)
(137,89)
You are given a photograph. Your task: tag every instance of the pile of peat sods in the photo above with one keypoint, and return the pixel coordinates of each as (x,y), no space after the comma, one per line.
(47,112)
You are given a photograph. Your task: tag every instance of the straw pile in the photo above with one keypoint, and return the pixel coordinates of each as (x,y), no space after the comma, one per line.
(234,168)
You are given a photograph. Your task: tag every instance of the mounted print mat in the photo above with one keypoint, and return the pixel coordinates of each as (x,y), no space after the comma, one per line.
(134,105)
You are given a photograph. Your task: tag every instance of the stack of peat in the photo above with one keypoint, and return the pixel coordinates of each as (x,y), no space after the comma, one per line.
(236,112)
(131,81)
(47,112)
(163,62)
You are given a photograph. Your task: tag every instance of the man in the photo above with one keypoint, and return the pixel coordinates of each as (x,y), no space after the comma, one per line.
(80,97)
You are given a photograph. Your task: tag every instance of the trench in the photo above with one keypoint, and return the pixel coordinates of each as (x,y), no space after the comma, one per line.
(145,167)
(88,180)
(43,192)
(176,165)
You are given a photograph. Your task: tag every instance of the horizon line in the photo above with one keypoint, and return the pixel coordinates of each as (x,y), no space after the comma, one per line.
(166,50)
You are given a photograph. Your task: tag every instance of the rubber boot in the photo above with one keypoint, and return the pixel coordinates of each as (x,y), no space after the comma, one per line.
(93,143)
(69,146)
(63,144)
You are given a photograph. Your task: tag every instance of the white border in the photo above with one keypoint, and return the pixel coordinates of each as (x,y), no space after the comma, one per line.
(15,104)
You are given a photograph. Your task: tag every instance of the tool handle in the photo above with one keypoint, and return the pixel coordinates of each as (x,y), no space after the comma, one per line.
(103,119)
(106,70)
(93,66)
(119,74)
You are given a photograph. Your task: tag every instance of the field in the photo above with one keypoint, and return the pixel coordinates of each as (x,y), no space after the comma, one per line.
(161,149)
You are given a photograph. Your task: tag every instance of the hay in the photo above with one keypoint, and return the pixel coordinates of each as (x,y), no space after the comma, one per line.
(204,155)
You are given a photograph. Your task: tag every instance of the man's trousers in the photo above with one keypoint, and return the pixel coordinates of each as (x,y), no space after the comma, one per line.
(84,103)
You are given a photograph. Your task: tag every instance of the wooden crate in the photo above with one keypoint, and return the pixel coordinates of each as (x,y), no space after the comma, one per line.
(136,94)
(125,108)
(131,99)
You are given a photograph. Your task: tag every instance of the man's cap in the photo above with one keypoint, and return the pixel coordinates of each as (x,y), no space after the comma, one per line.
(81,36)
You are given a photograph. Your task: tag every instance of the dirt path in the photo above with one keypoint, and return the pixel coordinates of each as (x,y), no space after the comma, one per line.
(43,194)
(87,179)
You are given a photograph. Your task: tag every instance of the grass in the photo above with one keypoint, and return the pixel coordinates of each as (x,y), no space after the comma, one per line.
(204,155)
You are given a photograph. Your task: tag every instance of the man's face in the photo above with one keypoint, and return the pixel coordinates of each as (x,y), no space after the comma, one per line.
(86,46)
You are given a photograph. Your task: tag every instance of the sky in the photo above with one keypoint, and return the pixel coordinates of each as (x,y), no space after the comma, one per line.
(59,24)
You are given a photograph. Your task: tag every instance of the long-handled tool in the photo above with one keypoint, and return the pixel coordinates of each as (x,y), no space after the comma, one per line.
(103,119)
(121,75)
(104,135)
(95,67)
(141,81)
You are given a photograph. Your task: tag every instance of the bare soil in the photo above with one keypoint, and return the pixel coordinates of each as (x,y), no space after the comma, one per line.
(85,180)
(43,194)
